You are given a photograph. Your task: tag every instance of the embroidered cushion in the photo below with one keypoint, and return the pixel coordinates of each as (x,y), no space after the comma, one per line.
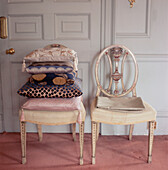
(53,104)
(32,90)
(51,54)
(53,78)
(48,69)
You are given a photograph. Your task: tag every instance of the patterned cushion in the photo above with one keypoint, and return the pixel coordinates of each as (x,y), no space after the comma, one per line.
(50,91)
(53,78)
(57,63)
(51,54)
(48,69)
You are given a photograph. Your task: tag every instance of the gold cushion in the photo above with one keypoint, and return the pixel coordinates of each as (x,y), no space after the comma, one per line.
(120,117)
(53,117)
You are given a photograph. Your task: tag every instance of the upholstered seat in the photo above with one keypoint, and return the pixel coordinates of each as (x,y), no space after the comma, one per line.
(122,117)
(53,117)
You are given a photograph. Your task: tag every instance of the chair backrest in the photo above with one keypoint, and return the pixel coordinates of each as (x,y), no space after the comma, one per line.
(117,55)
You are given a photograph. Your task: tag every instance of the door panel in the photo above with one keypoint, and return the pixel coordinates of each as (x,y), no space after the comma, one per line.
(35,24)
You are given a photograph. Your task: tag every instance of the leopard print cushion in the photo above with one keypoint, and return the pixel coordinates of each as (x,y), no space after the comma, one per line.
(32,90)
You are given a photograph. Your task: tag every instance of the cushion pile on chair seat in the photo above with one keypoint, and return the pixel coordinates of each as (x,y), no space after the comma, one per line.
(53,72)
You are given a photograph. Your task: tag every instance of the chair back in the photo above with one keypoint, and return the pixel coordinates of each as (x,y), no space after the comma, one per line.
(117,55)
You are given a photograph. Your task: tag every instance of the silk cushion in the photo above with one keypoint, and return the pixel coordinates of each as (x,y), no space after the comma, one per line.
(52,54)
(53,104)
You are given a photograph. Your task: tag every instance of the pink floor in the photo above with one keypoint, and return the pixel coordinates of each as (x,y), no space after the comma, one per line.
(58,151)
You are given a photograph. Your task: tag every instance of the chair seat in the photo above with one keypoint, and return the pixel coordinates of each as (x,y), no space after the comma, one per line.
(122,118)
(53,117)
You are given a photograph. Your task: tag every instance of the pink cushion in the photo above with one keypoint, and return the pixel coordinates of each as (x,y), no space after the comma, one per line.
(56,104)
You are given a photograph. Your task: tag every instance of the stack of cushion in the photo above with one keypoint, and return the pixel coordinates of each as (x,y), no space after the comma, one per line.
(53,74)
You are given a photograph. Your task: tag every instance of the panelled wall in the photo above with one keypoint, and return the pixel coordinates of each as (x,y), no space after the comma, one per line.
(88,26)
(37,23)
(143,29)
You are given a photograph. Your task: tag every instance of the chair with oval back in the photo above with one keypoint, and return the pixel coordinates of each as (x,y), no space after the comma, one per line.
(115,107)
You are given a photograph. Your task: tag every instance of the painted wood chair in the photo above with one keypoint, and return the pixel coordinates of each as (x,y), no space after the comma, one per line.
(116,54)
(51,117)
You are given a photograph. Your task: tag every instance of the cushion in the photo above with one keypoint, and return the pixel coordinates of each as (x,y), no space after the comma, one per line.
(57,63)
(53,104)
(32,90)
(52,54)
(53,78)
(120,103)
(48,69)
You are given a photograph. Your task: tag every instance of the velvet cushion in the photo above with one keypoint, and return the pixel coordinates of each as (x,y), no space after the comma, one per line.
(53,78)
(32,90)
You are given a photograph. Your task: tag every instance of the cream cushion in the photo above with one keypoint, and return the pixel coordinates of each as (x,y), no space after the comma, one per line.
(120,117)
(53,117)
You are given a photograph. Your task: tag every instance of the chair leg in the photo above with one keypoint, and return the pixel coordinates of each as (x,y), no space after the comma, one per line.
(94,133)
(131,131)
(97,130)
(23,141)
(74,131)
(81,140)
(40,134)
(150,140)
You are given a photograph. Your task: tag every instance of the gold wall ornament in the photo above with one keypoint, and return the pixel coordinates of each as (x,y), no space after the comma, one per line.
(131,3)
(3,27)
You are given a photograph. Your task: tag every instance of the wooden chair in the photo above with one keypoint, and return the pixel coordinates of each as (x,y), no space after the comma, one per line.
(48,117)
(115,54)
(52,118)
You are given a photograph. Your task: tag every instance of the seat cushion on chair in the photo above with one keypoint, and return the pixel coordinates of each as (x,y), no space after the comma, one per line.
(122,118)
(52,117)
(55,104)
(120,103)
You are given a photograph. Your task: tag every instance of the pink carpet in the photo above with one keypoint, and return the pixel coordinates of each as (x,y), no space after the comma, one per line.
(58,151)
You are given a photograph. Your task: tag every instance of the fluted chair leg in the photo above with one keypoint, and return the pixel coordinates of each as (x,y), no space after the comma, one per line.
(131,131)
(23,141)
(94,137)
(150,140)
(81,140)
(97,130)
(74,131)
(40,134)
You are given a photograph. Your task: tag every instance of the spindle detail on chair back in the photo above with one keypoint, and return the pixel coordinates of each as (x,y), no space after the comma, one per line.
(116,54)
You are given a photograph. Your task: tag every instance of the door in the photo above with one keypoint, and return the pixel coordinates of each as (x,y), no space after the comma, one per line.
(35,24)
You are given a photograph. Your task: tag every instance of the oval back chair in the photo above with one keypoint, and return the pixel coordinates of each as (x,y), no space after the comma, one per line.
(116,107)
